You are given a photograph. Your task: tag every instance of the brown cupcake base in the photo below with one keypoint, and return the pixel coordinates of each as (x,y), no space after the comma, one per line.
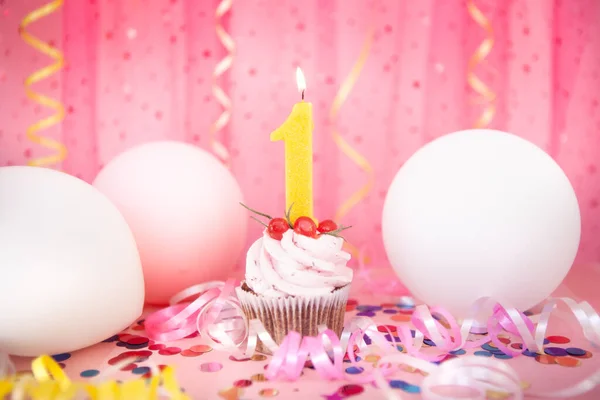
(300,314)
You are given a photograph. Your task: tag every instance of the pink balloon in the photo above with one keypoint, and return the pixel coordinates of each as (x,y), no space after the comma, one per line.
(183,207)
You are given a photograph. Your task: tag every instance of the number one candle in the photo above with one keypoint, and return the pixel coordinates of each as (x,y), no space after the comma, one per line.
(296,132)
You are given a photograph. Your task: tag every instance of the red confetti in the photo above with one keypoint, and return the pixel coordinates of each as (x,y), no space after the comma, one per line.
(242,383)
(140,356)
(189,353)
(350,390)
(137,340)
(504,340)
(129,367)
(169,351)
(558,339)
(156,347)
(386,328)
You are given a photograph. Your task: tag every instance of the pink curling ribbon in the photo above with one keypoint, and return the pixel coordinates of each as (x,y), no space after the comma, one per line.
(217,315)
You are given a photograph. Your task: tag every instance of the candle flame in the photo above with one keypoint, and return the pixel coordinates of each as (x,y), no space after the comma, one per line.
(300,81)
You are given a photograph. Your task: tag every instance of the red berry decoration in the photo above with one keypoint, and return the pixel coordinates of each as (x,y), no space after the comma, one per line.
(277,227)
(305,226)
(327,226)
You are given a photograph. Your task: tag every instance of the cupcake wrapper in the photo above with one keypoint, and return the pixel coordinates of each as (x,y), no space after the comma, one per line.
(300,314)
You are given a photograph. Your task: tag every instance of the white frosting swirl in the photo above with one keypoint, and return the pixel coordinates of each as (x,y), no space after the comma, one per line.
(297,265)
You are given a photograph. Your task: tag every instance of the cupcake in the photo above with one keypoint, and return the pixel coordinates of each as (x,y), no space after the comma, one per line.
(297,278)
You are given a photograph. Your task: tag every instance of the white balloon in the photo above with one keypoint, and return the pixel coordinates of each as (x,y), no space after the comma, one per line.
(70,272)
(481,213)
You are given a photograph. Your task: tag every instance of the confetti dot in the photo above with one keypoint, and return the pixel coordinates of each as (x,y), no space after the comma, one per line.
(136,340)
(156,347)
(491,348)
(268,392)
(231,393)
(372,358)
(429,342)
(400,318)
(141,370)
(408,368)
(350,390)
(89,373)
(575,351)
(558,339)
(368,308)
(61,357)
(169,351)
(366,314)
(129,367)
(483,353)
(503,356)
(258,357)
(242,383)
(190,353)
(354,370)
(556,351)
(390,311)
(517,346)
(258,378)
(386,328)
(211,367)
(586,355)
(201,348)
(458,352)
(407,387)
(568,362)
(545,359)
(232,358)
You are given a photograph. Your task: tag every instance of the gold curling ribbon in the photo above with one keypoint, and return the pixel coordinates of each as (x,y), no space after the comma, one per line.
(482,51)
(360,160)
(49,382)
(60,150)
(222,66)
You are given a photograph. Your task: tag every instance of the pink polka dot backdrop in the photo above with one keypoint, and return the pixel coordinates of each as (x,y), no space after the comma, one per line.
(140,70)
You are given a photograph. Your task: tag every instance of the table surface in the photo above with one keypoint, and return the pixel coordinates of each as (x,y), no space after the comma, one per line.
(210,374)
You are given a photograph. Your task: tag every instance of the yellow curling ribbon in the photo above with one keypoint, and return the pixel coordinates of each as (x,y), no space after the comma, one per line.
(222,66)
(480,54)
(49,382)
(39,75)
(360,160)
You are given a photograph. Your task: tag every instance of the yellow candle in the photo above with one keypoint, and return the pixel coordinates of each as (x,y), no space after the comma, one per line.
(296,132)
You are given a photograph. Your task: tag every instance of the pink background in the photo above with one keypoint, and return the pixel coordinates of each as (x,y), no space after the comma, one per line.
(141,70)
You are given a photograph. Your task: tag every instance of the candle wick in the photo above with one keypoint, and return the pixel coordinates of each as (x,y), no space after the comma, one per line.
(302,94)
